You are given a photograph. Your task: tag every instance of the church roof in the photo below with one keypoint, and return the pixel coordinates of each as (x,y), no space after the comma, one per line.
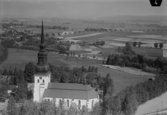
(69,86)
(71,91)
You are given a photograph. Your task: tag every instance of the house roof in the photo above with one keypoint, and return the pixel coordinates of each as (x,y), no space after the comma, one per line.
(75,47)
(71,91)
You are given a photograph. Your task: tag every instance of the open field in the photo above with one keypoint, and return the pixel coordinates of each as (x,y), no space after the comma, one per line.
(21,57)
(121,79)
(152,106)
(145,35)
(118,39)
(38,30)
(82,36)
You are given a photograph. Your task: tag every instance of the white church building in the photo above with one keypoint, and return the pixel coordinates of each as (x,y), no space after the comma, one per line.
(44,89)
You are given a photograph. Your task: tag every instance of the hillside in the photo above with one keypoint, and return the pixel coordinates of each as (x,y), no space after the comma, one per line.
(154,105)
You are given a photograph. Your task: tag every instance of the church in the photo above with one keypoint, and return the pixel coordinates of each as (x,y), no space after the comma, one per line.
(44,89)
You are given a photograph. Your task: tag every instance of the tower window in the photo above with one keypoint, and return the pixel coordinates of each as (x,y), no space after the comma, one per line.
(40,77)
(38,81)
(43,81)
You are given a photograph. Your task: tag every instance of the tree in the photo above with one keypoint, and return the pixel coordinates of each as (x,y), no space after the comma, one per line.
(108,90)
(161,45)
(139,44)
(130,104)
(134,44)
(3,91)
(5,72)
(11,107)
(73,109)
(20,93)
(29,108)
(29,71)
(47,35)
(96,109)
(15,75)
(3,54)
(156,45)
(140,59)
(128,49)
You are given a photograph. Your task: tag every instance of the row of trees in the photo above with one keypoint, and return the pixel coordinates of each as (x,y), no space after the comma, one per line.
(99,43)
(135,44)
(156,45)
(96,30)
(81,75)
(138,61)
(49,27)
(118,30)
(45,108)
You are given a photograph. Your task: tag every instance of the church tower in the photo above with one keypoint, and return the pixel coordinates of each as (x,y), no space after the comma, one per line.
(43,75)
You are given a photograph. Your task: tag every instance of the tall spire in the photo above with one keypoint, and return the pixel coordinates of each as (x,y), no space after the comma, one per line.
(42,65)
(42,34)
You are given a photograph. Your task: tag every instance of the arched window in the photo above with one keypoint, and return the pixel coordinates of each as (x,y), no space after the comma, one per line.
(79,104)
(68,103)
(60,102)
(92,103)
(38,81)
(43,81)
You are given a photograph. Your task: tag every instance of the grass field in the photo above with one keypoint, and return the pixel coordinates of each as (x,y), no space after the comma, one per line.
(19,58)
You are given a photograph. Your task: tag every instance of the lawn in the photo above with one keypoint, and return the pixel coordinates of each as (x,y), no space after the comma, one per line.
(19,58)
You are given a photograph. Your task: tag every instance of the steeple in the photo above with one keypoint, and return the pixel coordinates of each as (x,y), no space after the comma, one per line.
(42,65)
(42,34)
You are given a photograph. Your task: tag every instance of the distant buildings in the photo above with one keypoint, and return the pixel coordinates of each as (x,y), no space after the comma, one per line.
(67,32)
(77,47)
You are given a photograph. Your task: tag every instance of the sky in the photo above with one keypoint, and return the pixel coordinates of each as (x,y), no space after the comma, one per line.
(79,9)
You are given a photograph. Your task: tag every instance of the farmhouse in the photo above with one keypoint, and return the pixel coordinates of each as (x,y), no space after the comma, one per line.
(44,89)
(77,47)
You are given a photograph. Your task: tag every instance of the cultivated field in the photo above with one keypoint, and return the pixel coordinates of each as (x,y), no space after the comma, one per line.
(121,79)
(113,40)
